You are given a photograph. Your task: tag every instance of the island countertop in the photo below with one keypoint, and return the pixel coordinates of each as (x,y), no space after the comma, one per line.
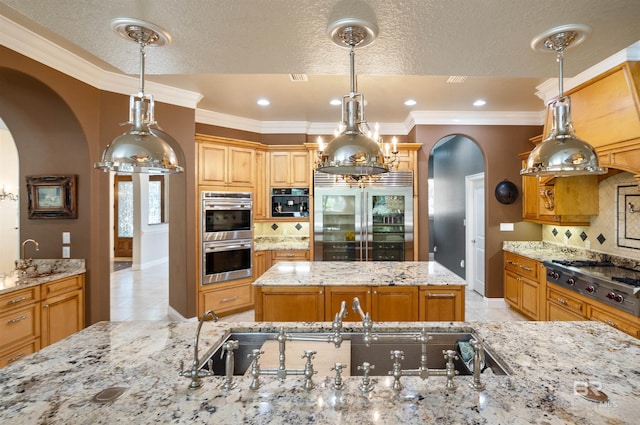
(547,360)
(358,273)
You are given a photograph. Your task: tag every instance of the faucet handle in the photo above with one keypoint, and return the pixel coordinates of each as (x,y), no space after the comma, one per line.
(397,355)
(337,382)
(366,385)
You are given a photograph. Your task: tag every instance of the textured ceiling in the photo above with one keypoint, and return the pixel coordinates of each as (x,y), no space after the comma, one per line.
(233,52)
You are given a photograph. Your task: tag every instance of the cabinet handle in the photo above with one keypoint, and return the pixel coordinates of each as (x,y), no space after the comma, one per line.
(289,255)
(562,301)
(321,292)
(226,300)
(17,319)
(18,357)
(430,295)
(610,323)
(375,292)
(45,306)
(513,263)
(17,300)
(526,268)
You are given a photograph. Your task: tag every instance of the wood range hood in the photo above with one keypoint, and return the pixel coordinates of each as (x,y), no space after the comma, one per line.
(606,113)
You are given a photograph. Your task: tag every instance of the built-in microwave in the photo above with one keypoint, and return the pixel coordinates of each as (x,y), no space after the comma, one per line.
(290,202)
(226,215)
(226,260)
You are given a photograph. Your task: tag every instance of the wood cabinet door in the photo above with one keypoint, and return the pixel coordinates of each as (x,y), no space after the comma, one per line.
(613,320)
(442,304)
(279,169)
(336,294)
(556,312)
(261,191)
(240,167)
(62,315)
(290,304)
(512,289)
(529,298)
(212,164)
(260,263)
(299,175)
(394,304)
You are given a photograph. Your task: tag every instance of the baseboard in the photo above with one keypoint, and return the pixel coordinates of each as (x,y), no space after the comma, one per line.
(175,316)
(149,264)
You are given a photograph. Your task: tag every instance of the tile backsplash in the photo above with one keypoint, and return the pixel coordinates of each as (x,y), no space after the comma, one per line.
(282,228)
(606,233)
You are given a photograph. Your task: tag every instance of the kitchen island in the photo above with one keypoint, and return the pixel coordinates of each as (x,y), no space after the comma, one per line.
(312,291)
(548,361)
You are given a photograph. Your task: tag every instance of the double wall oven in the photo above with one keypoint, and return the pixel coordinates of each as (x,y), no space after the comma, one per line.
(227,246)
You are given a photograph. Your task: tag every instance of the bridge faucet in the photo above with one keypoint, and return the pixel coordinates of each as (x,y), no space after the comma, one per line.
(367,323)
(194,373)
(24,264)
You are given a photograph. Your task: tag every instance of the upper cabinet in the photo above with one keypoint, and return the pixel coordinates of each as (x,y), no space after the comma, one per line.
(226,163)
(288,166)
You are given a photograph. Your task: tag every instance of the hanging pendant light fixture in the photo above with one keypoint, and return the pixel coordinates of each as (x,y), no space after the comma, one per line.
(142,149)
(561,153)
(352,152)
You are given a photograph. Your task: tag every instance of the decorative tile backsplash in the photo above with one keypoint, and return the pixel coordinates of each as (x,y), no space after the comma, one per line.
(281,228)
(614,231)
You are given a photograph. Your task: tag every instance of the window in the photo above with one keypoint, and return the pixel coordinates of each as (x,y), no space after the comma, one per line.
(156,199)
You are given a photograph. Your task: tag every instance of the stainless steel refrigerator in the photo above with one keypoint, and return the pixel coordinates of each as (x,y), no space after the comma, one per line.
(363,222)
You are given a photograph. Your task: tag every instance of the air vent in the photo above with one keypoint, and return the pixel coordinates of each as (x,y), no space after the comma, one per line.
(298,77)
(457,79)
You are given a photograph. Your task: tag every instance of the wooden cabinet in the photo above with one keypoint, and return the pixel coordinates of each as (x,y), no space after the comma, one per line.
(38,316)
(290,167)
(564,201)
(394,303)
(562,305)
(616,320)
(62,309)
(226,163)
(261,263)
(336,294)
(226,298)
(289,303)
(260,193)
(442,303)
(289,255)
(524,285)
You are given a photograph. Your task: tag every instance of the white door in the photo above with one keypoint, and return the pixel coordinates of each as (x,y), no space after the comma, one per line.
(475,232)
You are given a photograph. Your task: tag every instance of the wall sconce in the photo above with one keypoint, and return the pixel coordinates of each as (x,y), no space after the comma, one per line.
(7,195)
(631,208)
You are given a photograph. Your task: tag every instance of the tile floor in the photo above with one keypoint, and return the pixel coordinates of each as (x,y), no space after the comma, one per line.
(144,295)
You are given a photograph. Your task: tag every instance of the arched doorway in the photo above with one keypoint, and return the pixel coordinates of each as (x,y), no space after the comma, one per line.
(9,196)
(451,160)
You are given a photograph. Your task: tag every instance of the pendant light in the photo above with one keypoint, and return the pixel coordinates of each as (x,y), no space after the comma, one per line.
(561,153)
(142,149)
(352,152)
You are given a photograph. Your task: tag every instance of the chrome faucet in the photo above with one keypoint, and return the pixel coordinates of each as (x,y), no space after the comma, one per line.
(194,373)
(367,323)
(478,363)
(24,264)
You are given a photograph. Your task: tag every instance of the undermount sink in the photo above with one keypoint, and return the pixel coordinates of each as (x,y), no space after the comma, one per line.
(377,354)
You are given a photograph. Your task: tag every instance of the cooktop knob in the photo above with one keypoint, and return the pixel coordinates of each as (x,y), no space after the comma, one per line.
(611,295)
(571,281)
(590,289)
(618,298)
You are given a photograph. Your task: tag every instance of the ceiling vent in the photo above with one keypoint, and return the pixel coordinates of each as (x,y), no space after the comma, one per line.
(457,79)
(298,77)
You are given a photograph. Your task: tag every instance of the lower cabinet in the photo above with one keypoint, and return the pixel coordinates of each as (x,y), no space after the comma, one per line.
(261,262)
(383,303)
(226,298)
(524,285)
(442,304)
(562,305)
(62,309)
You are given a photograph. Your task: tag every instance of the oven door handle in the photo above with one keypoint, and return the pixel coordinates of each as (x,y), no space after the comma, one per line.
(227,247)
(226,207)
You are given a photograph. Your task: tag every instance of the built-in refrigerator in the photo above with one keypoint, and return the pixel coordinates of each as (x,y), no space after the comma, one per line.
(371,221)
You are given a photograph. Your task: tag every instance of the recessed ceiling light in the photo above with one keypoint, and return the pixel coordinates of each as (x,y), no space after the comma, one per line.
(410,102)
(479,102)
(264,102)
(335,102)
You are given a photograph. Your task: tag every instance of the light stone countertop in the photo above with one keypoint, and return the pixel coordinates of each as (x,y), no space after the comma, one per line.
(358,273)
(48,270)
(280,243)
(547,359)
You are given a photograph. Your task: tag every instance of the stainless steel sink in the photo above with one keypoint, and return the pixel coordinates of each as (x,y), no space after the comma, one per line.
(377,354)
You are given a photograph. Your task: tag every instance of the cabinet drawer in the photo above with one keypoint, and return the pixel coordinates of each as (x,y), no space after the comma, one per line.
(228,298)
(17,353)
(290,255)
(19,298)
(19,324)
(62,286)
(614,321)
(524,266)
(566,301)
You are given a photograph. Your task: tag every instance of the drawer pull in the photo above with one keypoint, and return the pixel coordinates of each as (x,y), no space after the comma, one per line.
(16,358)
(227,300)
(17,319)
(290,255)
(513,263)
(562,301)
(430,295)
(17,300)
(529,269)
(610,323)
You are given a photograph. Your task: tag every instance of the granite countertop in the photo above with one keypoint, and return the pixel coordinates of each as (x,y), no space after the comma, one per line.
(372,273)
(282,243)
(546,359)
(547,251)
(48,271)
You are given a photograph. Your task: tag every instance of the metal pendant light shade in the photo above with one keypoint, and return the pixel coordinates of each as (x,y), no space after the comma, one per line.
(142,149)
(352,152)
(562,153)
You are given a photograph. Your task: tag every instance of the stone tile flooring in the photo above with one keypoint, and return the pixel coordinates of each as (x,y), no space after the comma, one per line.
(144,295)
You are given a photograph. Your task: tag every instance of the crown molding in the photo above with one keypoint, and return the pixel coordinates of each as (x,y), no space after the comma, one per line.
(477,117)
(33,46)
(548,89)
(229,121)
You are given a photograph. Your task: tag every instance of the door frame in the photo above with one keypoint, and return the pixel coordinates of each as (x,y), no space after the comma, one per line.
(472,182)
